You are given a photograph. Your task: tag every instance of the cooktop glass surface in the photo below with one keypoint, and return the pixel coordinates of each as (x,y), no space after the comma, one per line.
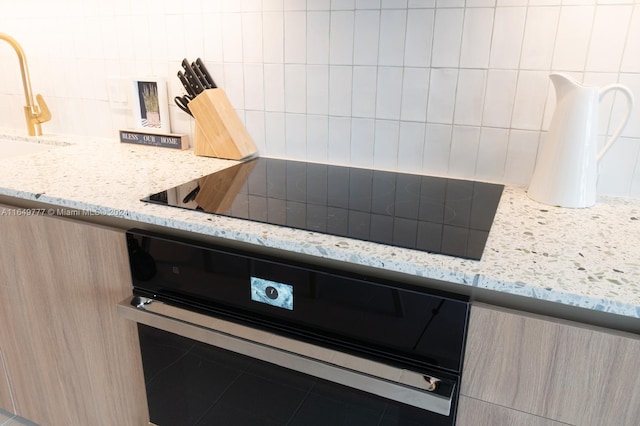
(426,213)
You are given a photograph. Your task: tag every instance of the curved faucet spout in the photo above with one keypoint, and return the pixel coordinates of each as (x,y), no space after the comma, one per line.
(35,113)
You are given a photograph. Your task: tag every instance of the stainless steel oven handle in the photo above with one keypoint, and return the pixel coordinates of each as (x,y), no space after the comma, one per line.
(393,383)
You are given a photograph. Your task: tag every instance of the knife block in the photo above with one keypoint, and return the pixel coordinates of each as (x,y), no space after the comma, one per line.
(219,132)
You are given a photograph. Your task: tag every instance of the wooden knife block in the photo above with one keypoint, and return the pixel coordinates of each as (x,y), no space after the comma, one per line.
(219,132)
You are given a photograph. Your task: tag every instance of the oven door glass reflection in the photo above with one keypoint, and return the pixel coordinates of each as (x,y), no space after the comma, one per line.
(192,383)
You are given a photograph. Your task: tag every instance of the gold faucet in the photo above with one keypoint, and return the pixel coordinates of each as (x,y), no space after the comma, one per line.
(35,114)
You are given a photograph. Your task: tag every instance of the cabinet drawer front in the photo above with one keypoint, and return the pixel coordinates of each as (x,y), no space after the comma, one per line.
(554,370)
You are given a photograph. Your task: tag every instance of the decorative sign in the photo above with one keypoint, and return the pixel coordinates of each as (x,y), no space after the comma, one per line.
(154,139)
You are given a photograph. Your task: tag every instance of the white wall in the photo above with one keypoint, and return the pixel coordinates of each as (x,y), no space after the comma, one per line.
(443,87)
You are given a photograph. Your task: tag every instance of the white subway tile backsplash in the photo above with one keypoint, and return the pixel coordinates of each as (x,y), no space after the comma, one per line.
(389,93)
(617,167)
(255,124)
(476,37)
(251,5)
(341,37)
(318,4)
(343,4)
(270,5)
(234,84)
(530,101)
(470,97)
(340,87)
(508,32)
(232,37)
(631,81)
(254,87)
(272,37)
(572,42)
(480,3)
(394,4)
(192,37)
(317,89)
(211,37)
(230,6)
(366,37)
(274,87)
(295,4)
(447,37)
(634,190)
(446,87)
(364,92)
(442,95)
(608,36)
(417,50)
(464,151)
(339,146)
(411,146)
(175,37)
(492,154)
(599,79)
(385,149)
(631,58)
(362,142)
(295,37)
(367,4)
(500,97)
(318,37)
(415,92)
(521,156)
(251,38)
(296,136)
(275,134)
(295,88)
(449,3)
(437,149)
(317,138)
(392,34)
(417,4)
(539,37)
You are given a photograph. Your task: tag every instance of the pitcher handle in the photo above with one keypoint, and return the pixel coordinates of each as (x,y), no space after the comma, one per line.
(630,103)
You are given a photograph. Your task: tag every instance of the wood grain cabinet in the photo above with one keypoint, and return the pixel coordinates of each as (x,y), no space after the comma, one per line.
(555,370)
(71,359)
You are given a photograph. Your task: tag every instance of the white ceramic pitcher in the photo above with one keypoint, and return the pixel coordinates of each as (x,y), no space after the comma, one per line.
(566,171)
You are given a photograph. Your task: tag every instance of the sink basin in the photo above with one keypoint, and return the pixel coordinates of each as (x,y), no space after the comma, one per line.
(13,148)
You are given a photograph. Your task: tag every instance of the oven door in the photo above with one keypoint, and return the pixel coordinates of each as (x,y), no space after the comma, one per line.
(202,370)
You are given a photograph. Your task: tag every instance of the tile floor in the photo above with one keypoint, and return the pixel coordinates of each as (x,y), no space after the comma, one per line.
(8,419)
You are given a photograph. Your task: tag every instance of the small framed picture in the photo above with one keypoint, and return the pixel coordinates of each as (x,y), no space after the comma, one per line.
(150,107)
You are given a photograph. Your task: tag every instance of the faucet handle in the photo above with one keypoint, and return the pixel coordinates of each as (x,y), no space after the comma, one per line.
(43,114)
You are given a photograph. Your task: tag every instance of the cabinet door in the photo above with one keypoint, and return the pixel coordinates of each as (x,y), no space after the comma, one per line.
(472,412)
(552,369)
(71,359)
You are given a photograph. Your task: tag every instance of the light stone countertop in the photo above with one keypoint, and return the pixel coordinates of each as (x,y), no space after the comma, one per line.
(586,258)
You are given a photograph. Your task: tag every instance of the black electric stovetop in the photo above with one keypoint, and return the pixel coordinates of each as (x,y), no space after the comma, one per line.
(426,213)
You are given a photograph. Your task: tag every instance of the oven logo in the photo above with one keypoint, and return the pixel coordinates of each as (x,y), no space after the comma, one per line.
(272,293)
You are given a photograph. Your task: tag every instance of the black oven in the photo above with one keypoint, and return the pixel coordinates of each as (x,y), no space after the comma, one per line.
(235,338)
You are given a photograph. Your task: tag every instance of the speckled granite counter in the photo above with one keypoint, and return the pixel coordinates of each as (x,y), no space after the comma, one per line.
(585,258)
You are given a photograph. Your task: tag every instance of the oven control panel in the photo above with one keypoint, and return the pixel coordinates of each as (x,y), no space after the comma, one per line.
(272,293)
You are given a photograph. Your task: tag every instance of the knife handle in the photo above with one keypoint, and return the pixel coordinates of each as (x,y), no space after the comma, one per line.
(186,84)
(205,73)
(192,77)
(200,76)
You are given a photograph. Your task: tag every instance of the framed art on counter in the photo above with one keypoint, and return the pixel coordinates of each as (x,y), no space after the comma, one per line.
(150,107)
